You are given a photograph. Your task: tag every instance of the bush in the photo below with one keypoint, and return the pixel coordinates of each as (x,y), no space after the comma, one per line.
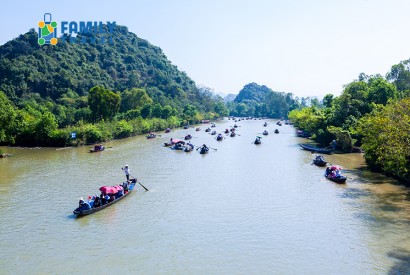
(123,129)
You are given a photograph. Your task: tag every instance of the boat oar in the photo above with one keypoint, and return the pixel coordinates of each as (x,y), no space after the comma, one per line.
(213,148)
(139,183)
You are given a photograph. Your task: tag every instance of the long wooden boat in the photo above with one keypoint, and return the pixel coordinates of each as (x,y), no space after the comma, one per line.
(315,149)
(96,209)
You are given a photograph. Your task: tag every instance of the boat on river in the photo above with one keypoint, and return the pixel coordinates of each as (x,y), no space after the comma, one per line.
(333,173)
(315,149)
(96,209)
(319,161)
(258,140)
(97,148)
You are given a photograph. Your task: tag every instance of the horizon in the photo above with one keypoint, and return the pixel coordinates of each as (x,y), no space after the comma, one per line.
(305,48)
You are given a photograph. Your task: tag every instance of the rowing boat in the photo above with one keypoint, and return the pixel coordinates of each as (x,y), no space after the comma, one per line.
(96,209)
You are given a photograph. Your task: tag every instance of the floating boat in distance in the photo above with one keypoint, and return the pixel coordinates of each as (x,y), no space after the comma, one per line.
(258,140)
(319,161)
(315,149)
(97,148)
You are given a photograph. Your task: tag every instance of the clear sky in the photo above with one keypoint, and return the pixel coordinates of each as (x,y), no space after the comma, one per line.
(307,47)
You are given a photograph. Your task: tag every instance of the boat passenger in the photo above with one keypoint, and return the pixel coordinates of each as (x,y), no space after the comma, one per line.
(97,202)
(111,198)
(83,205)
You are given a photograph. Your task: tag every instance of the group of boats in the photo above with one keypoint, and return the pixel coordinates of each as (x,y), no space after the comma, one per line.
(332,172)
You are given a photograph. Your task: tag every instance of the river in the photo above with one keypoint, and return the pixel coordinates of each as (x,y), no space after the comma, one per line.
(240,209)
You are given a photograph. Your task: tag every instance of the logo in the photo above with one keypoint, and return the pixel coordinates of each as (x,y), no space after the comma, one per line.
(47,31)
(82,32)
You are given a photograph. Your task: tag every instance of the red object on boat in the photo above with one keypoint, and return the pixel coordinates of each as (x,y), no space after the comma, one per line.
(110,189)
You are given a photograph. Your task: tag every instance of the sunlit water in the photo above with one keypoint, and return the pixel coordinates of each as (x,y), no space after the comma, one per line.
(240,209)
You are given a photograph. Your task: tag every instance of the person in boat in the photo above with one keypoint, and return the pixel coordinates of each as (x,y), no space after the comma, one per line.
(125,186)
(204,147)
(97,202)
(189,144)
(83,205)
(126,171)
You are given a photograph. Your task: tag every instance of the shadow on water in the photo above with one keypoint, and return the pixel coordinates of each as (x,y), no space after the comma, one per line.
(402,266)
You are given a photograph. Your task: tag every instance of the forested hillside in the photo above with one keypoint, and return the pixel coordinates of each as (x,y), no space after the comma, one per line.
(259,100)
(131,78)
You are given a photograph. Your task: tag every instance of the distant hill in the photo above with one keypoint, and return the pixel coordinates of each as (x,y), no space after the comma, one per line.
(253,91)
(230,97)
(260,100)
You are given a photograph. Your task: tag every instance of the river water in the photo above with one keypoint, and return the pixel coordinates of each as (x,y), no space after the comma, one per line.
(240,209)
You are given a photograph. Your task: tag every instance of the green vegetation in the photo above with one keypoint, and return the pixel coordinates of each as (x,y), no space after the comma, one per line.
(99,91)
(256,100)
(372,112)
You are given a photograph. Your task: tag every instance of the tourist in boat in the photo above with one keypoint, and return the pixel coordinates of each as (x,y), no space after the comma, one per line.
(83,205)
(126,171)
(97,202)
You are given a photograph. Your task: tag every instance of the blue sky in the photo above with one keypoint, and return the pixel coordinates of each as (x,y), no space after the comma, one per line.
(309,48)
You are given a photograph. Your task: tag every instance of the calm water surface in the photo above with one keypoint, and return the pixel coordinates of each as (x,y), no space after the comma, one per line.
(240,209)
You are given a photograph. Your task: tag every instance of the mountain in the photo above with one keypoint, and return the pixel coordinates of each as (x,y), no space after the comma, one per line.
(101,91)
(70,70)
(260,100)
(253,91)
(229,98)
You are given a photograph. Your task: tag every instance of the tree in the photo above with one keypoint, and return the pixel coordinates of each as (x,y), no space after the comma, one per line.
(103,102)
(327,100)
(134,98)
(380,91)
(7,117)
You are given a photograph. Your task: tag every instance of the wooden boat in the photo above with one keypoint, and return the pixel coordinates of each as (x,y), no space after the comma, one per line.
(97,148)
(213,125)
(265,124)
(188,148)
(219,137)
(5,155)
(96,209)
(204,150)
(151,135)
(257,140)
(186,126)
(315,149)
(213,133)
(178,146)
(265,133)
(333,173)
(276,131)
(171,142)
(168,130)
(187,137)
(235,126)
(232,134)
(198,129)
(208,130)
(319,161)
(226,131)
(340,179)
